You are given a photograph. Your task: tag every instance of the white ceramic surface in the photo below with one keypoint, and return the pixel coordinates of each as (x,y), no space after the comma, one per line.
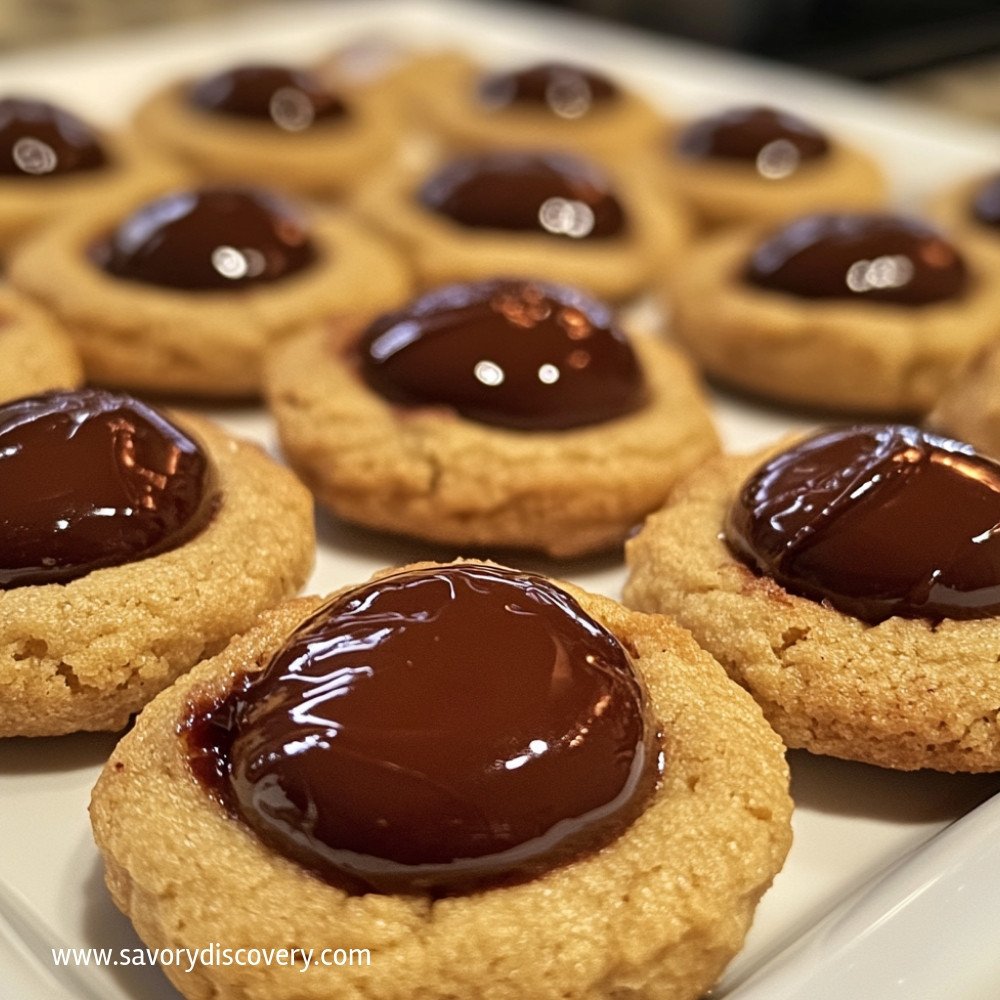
(875,902)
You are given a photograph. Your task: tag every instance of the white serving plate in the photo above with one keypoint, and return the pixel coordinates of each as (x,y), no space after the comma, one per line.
(884,894)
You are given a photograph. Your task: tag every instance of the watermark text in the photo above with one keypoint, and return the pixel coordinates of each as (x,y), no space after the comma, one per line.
(215,956)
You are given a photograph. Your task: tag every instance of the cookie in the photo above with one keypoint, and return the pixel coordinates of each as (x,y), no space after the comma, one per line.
(863,313)
(184,294)
(53,164)
(501,413)
(35,354)
(677,859)
(136,544)
(970,408)
(971,206)
(263,123)
(367,60)
(758,164)
(552,215)
(546,105)
(849,582)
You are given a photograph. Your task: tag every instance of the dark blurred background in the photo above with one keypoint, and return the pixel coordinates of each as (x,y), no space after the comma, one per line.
(865,39)
(945,52)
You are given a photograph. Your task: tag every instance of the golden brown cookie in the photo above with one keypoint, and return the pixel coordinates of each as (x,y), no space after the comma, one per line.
(84,652)
(274,125)
(367,60)
(184,294)
(970,407)
(844,312)
(674,891)
(888,688)
(761,165)
(546,105)
(568,438)
(525,211)
(52,164)
(35,354)
(971,206)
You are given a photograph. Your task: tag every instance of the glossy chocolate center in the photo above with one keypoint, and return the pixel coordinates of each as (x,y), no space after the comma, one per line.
(986,203)
(566,91)
(90,479)
(436,730)
(209,239)
(879,521)
(520,354)
(41,140)
(290,98)
(875,258)
(552,194)
(774,141)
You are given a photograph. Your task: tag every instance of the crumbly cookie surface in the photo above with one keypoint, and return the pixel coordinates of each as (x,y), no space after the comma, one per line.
(432,474)
(210,344)
(35,354)
(87,654)
(906,693)
(953,208)
(133,173)
(441,251)
(725,193)
(656,913)
(442,91)
(322,161)
(832,354)
(970,408)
